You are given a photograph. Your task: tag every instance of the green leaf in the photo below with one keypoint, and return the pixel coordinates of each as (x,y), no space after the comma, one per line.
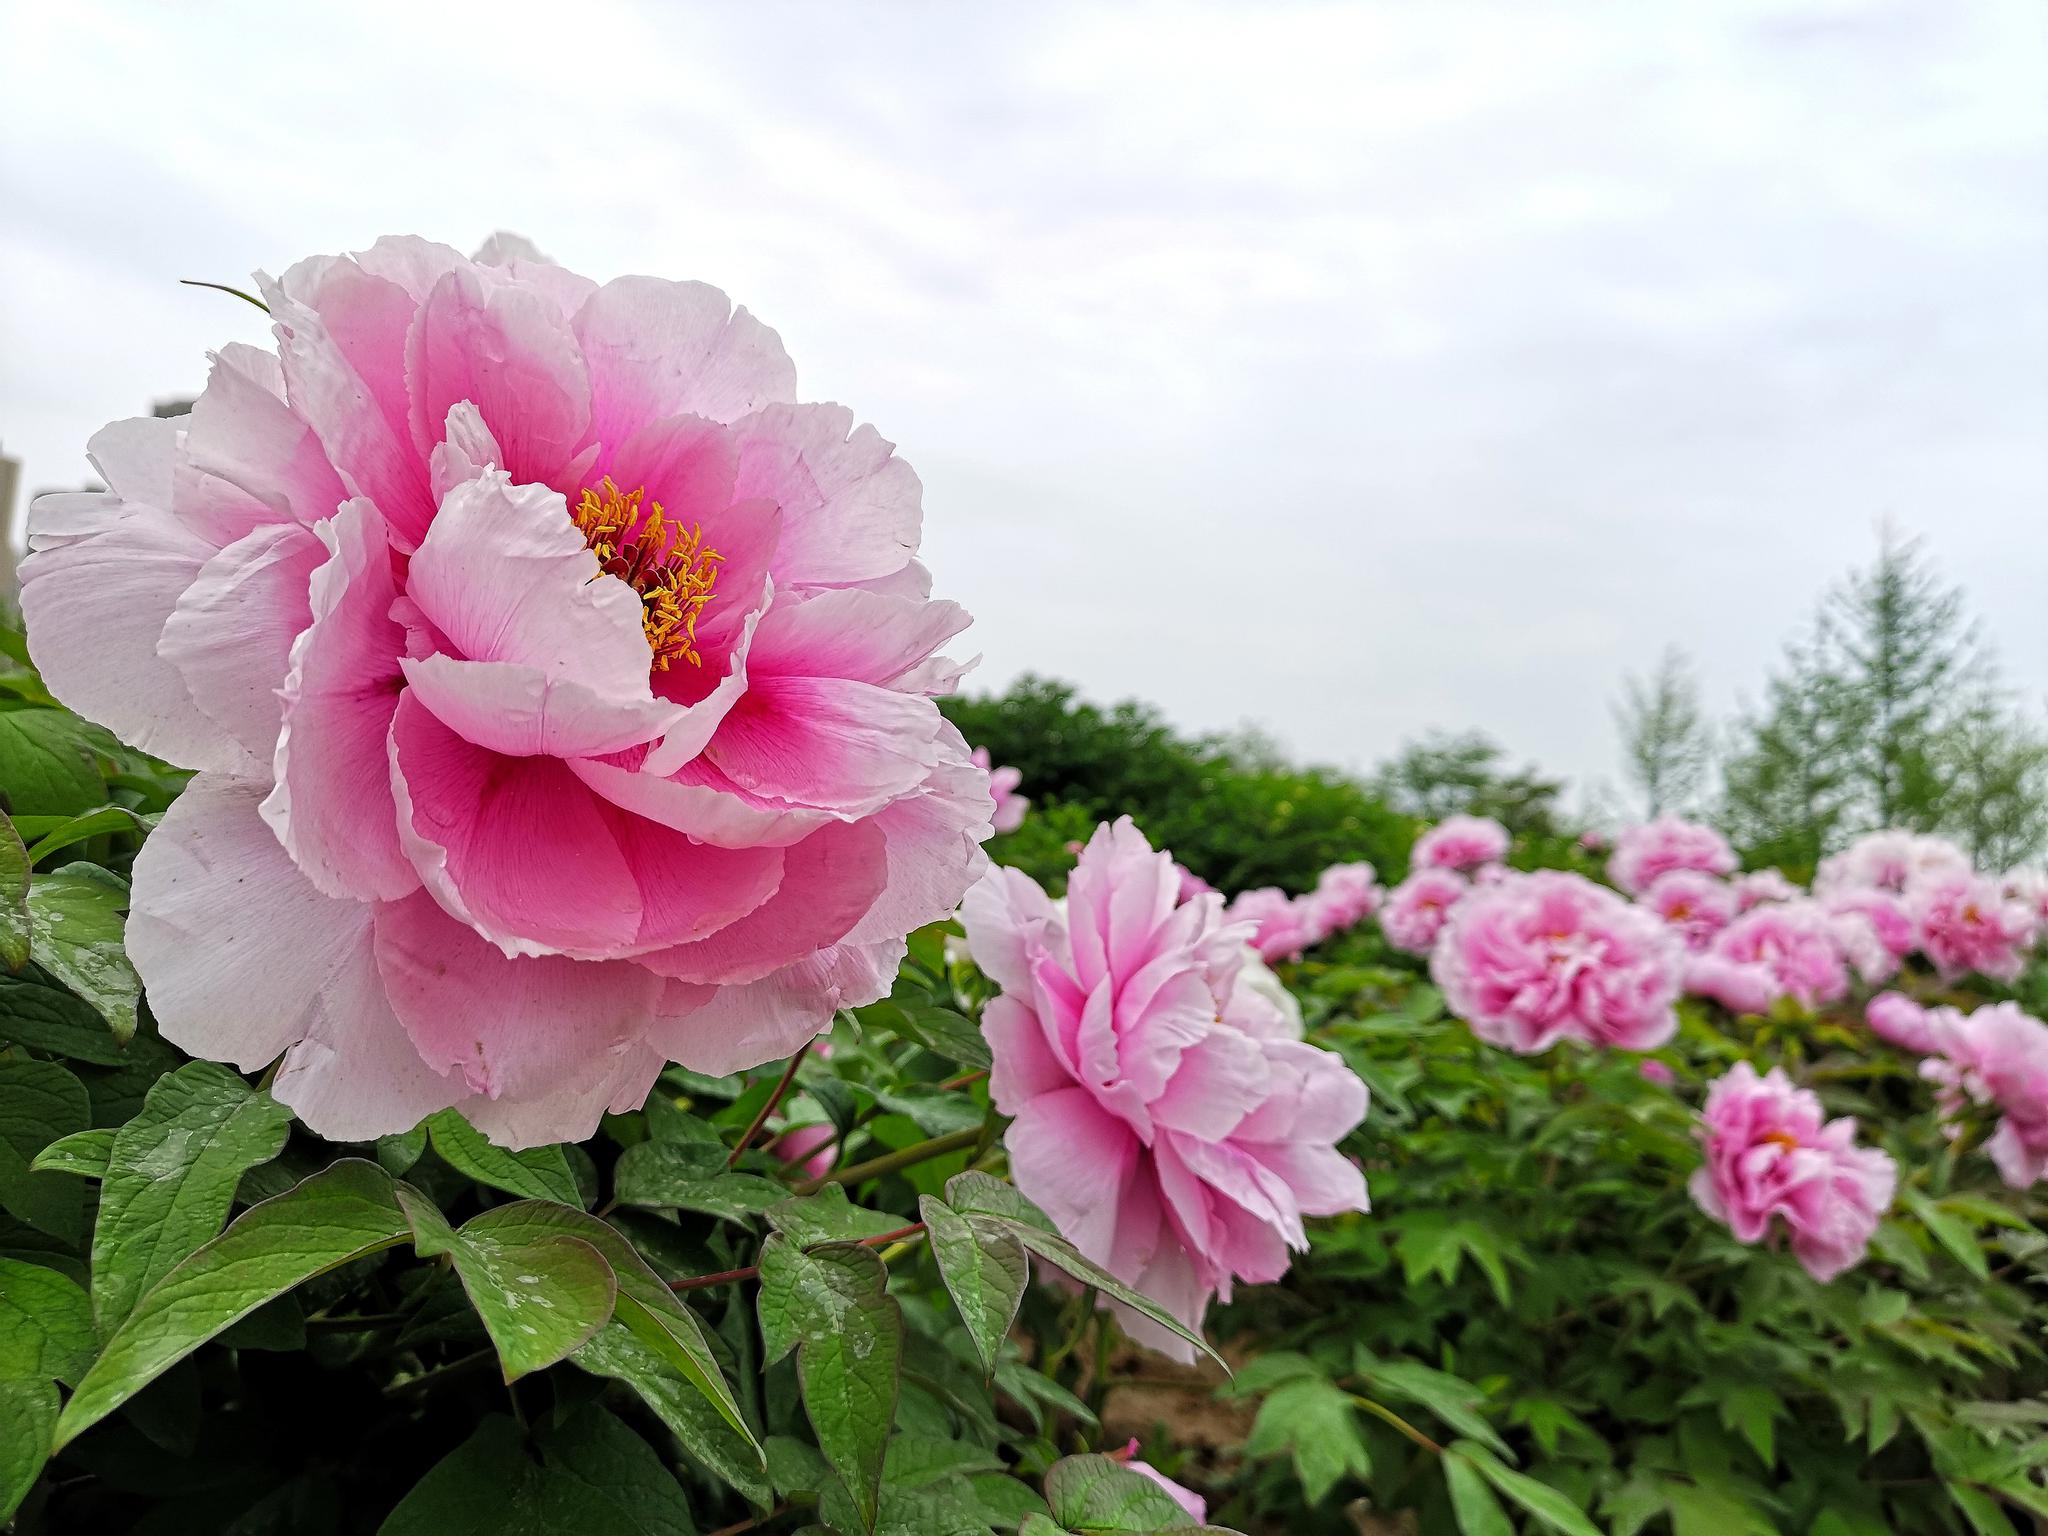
(397,1155)
(1090,1494)
(47,764)
(833,1305)
(1478,1512)
(985,1273)
(1454,1401)
(1950,1231)
(171,1178)
(980,1194)
(45,1324)
(1551,1508)
(538,1173)
(76,919)
(612,1478)
(934,1111)
(344,1212)
(1751,1408)
(691,1176)
(541,1294)
(1980,1509)
(942,1032)
(40,1103)
(91,824)
(29,1410)
(645,1305)
(620,1355)
(1313,1421)
(14,866)
(829,1217)
(37,1012)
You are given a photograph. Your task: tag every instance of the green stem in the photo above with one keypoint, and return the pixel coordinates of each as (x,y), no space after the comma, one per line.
(775,1098)
(895,1162)
(1388,1416)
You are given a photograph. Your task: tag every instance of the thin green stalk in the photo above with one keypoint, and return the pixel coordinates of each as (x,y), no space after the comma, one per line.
(895,1162)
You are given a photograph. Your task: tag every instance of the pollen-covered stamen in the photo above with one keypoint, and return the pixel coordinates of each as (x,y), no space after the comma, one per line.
(672,570)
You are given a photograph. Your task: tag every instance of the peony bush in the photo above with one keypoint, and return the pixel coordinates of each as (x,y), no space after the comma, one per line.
(509,1020)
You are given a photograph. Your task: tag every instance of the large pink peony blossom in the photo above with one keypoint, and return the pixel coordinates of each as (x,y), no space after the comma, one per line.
(1761,885)
(1173,1146)
(1282,926)
(1890,920)
(1770,1156)
(1002,783)
(1696,905)
(1889,861)
(1462,843)
(1416,910)
(560,690)
(1787,949)
(1549,956)
(1967,923)
(1345,896)
(1998,1056)
(1642,853)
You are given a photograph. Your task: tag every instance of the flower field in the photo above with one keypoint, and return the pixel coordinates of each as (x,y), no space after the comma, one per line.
(530,1001)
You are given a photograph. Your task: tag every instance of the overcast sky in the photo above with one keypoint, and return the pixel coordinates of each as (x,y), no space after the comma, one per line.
(1348,370)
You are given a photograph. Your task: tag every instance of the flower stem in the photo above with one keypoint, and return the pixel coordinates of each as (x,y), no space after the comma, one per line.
(1389,1416)
(894,1162)
(775,1098)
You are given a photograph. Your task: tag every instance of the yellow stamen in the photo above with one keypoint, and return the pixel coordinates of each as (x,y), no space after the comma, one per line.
(673,571)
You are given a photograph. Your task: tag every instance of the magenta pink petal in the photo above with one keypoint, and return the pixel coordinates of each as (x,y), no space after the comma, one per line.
(657,348)
(851,510)
(826,742)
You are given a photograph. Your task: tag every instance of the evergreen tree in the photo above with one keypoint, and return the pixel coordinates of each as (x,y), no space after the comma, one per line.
(1666,747)
(1467,774)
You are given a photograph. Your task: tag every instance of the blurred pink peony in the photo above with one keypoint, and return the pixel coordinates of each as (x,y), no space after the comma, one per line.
(1769,1155)
(1282,926)
(1345,896)
(1002,784)
(1416,910)
(1642,853)
(1789,949)
(1192,1504)
(1998,1056)
(1191,884)
(1696,905)
(1968,923)
(1898,1020)
(1169,1145)
(1549,956)
(560,690)
(1461,843)
(809,1147)
(1889,861)
(1888,916)
(1760,886)
(2028,887)
(1652,1070)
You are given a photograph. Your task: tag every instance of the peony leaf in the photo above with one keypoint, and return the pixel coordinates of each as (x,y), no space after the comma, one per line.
(691,1176)
(985,1272)
(621,1355)
(1952,1232)
(1478,1512)
(38,1012)
(40,1103)
(77,829)
(47,764)
(1552,1509)
(538,1173)
(829,1217)
(1090,1494)
(171,1177)
(939,1030)
(76,918)
(832,1304)
(45,1324)
(1450,1399)
(1313,1421)
(344,1212)
(14,867)
(29,1410)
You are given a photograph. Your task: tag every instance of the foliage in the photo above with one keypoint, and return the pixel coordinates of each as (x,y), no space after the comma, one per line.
(1665,741)
(1466,775)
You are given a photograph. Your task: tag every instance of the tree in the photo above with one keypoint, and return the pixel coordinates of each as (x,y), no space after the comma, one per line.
(1994,764)
(1787,797)
(1665,743)
(1447,774)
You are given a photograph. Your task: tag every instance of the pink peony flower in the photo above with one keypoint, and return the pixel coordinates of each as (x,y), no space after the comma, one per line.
(1889,919)
(1898,1020)
(1417,908)
(560,690)
(1654,1071)
(1769,1155)
(1282,925)
(1889,861)
(1657,847)
(1593,841)
(1461,843)
(1760,886)
(1002,783)
(2029,887)
(808,1147)
(1790,949)
(1998,1056)
(1968,923)
(1491,874)
(1170,1146)
(1345,896)
(1548,956)
(1191,884)
(1696,905)
(1192,1503)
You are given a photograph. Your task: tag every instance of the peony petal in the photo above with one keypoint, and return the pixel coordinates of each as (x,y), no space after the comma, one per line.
(1025,1065)
(684,463)
(249,458)
(521,711)
(332,807)
(865,636)
(722,1030)
(1072,1160)
(658,348)
(1005,913)
(513,1028)
(827,742)
(709,814)
(1215,1084)
(230,637)
(568,1113)
(851,510)
(935,839)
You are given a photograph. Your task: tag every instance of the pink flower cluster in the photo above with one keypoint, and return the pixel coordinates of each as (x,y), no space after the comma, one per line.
(1643,853)
(1284,926)
(560,690)
(1002,784)
(1995,1057)
(1538,958)
(1461,843)
(1168,1116)
(1786,949)
(1771,1156)
(1417,909)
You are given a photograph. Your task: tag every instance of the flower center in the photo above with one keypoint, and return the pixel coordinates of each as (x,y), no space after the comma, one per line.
(672,570)
(1783,1139)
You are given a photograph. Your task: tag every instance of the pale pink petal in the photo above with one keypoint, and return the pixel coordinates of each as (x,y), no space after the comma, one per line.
(865,636)
(657,348)
(1325,1182)
(1072,1159)
(522,711)
(708,814)
(851,510)
(249,458)
(230,637)
(414,263)
(569,1113)
(332,807)
(1004,913)
(513,1028)
(935,851)
(517,257)
(1025,1065)
(827,742)
(1217,1082)
(721,1030)
(465,451)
